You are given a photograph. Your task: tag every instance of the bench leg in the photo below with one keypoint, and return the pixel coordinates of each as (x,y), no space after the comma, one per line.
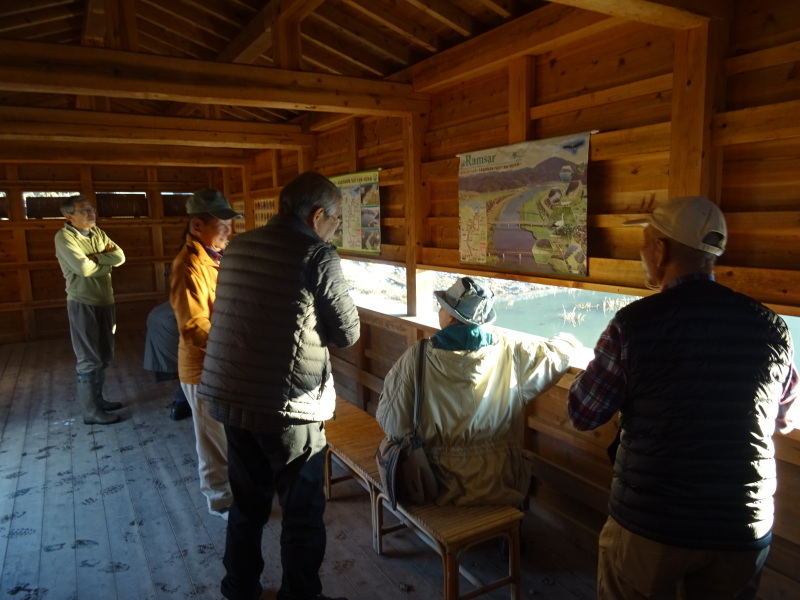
(450,565)
(377,522)
(513,560)
(328,473)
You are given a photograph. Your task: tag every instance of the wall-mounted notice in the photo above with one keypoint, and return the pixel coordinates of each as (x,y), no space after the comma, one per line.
(523,207)
(360,230)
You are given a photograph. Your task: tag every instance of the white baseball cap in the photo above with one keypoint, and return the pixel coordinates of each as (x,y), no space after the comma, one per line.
(689,220)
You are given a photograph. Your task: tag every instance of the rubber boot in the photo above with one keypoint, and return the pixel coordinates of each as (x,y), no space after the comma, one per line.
(86,392)
(102,403)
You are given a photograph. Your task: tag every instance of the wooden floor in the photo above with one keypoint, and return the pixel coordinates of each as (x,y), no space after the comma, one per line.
(115,512)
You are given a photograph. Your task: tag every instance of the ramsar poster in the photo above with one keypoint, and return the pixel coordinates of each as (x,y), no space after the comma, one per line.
(360,230)
(523,207)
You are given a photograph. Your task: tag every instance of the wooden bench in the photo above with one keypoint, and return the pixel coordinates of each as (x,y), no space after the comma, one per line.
(353,438)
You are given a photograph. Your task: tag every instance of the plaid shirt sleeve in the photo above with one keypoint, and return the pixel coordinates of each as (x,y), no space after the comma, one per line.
(598,392)
(787,411)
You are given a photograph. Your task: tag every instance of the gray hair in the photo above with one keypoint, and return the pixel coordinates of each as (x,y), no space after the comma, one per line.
(307,192)
(68,204)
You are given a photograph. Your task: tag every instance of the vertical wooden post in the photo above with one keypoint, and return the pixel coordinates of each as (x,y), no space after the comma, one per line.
(698,90)
(155,206)
(249,207)
(275,163)
(353,137)
(87,184)
(414,126)
(286,43)
(362,363)
(520,98)
(16,204)
(305,160)
(16,209)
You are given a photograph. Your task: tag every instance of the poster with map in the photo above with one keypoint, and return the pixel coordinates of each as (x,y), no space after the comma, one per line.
(360,230)
(523,207)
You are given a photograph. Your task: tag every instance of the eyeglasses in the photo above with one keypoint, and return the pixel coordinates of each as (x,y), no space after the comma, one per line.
(85,210)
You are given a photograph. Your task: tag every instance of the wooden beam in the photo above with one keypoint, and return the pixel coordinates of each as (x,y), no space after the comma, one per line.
(449,15)
(353,135)
(406,28)
(46,68)
(28,20)
(535,33)
(762,59)
(286,44)
(361,32)
(255,39)
(520,97)
(65,132)
(757,124)
(414,127)
(321,34)
(94,23)
(128,28)
(504,8)
(98,127)
(673,14)
(116,154)
(259,36)
(297,10)
(643,87)
(698,89)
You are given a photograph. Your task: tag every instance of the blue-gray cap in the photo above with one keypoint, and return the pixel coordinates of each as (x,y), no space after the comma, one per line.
(212,202)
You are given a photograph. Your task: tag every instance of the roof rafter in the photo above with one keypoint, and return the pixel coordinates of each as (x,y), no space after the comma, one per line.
(406,28)
(504,8)
(675,14)
(30,66)
(94,23)
(448,14)
(81,127)
(535,33)
(121,154)
(373,40)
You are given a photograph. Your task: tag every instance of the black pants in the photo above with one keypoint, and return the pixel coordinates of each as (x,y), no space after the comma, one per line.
(292,464)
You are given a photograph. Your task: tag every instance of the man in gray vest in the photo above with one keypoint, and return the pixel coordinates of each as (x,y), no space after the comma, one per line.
(281,301)
(701,377)
(87,256)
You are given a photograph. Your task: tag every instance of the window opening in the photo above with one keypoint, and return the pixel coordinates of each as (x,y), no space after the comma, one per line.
(44,205)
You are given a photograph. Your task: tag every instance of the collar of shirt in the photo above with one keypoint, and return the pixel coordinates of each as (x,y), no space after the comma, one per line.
(80,231)
(691,277)
(213,254)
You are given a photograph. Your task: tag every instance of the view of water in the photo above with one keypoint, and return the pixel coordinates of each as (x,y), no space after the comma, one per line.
(579,312)
(530,308)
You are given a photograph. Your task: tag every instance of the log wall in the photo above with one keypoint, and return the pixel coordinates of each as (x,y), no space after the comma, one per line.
(627,84)
(709,107)
(32,296)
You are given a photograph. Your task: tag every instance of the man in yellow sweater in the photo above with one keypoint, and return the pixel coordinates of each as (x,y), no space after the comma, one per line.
(193,288)
(87,256)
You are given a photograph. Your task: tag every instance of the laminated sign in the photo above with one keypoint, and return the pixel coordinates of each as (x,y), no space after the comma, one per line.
(523,207)
(360,230)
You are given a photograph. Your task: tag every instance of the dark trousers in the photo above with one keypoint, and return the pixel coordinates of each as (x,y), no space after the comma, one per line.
(92,331)
(292,464)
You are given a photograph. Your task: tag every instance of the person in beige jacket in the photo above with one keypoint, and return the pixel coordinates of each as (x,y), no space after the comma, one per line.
(477,383)
(193,288)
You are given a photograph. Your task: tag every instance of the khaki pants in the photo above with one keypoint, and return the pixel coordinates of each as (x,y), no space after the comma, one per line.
(212,452)
(631,567)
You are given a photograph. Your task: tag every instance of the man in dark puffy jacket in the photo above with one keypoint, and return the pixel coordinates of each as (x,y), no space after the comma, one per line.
(702,377)
(281,301)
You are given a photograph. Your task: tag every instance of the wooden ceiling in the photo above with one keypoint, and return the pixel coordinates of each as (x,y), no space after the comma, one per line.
(156,72)
(370,39)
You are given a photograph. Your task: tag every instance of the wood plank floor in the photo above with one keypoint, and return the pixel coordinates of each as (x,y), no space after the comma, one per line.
(115,512)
